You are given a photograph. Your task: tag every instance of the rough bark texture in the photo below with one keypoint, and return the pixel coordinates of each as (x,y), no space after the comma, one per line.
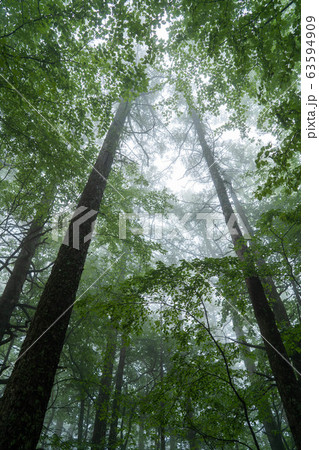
(100,422)
(28,391)
(288,386)
(12,292)
(271,428)
(112,442)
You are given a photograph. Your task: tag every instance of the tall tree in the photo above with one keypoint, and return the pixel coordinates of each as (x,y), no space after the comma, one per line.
(288,386)
(102,402)
(268,420)
(24,403)
(14,286)
(271,290)
(116,404)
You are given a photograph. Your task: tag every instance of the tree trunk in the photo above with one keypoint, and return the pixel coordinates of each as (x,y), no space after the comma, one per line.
(71,431)
(81,421)
(172,441)
(4,365)
(277,305)
(102,403)
(272,294)
(59,427)
(296,292)
(191,433)
(162,427)
(28,391)
(47,423)
(192,440)
(269,422)
(272,431)
(112,443)
(12,292)
(128,426)
(87,420)
(141,439)
(288,386)
(162,438)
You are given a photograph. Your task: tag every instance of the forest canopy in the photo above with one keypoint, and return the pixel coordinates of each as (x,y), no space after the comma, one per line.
(150,224)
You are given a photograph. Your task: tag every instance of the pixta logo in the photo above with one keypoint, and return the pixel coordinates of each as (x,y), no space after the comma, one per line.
(170,226)
(60,226)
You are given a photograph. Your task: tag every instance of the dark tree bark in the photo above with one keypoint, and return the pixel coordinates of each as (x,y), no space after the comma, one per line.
(271,291)
(6,358)
(102,403)
(162,437)
(112,441)
(287,383)
(277,305)
(27,394)
(272,431)
(12,292)
(129,418)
